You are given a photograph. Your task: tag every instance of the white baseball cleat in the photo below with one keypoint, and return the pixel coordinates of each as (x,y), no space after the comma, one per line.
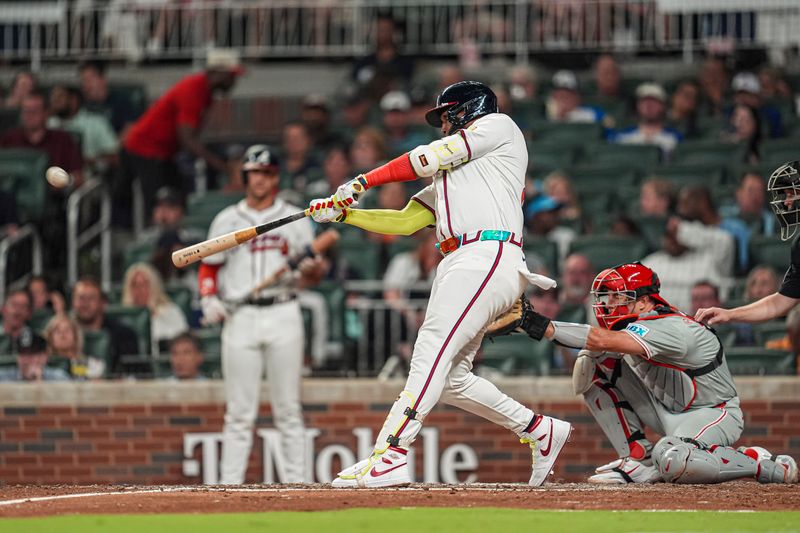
(761,454)
(625,470)
(546,439)
(387,469)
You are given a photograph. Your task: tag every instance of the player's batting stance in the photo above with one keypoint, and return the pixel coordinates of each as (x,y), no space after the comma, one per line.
(262,330)
(478,171)
(648,364)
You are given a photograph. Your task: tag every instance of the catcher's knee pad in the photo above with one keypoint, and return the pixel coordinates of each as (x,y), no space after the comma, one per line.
(684,461)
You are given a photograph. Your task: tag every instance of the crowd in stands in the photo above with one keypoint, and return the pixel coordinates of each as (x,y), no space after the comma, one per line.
(671,173)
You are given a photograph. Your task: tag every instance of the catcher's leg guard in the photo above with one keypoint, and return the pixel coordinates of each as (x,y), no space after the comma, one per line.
(682,460)
(616,416)
(401,411)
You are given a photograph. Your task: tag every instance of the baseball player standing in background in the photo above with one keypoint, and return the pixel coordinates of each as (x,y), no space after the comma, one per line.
(262,329)
(784,184)
(649,364)
(478,170)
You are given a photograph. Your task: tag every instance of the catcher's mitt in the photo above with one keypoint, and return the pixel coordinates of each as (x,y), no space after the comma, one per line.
(521,317)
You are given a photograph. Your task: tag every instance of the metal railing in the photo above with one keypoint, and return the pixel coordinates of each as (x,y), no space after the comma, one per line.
(79,211)
(12,242)
(346,28)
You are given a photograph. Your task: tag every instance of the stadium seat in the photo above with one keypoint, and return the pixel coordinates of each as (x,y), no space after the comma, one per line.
(769,331)
(680,174)
(98,344)
(775,152)
(572,313)
(538,250)
(607,251)
(401,245)
(708,152)
(544,158)
(140,251)
(360,255)
(566,134)
(334,296)
(39,320)
(749,360)
(652,229)
(770,251)
(182,296)
(638,157)
(5,344)
(136,318)
(17,168)
(211,203)
(513,354)
(603,178)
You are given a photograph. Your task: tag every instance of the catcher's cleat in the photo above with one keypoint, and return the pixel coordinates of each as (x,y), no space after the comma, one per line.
(546,437)
(762,454)
(387,469)
(625,470)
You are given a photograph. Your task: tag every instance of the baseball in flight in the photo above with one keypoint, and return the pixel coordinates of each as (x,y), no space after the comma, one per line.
(57,177)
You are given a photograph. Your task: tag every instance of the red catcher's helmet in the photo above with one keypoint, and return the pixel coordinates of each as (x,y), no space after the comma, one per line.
(615,288)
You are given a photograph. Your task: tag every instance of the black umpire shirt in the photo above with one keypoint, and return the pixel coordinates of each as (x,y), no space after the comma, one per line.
(791,281)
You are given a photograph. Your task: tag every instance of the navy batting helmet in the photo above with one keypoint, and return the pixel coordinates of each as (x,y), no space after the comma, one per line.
(258,157)
(463,102)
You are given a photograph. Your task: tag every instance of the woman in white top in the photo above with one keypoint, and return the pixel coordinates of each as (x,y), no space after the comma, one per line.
(143,288)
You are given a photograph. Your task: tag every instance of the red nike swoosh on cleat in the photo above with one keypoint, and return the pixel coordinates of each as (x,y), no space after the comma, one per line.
(375,473)
(546,452)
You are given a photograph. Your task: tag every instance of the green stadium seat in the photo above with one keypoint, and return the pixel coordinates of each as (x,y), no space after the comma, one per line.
(98,344)
(638,157)
(603,178)
(140,251)
(565,134)
(515,354)
(769,331)
(7,360)
(402,245)
(708,152)
(608,251)
(360,255)
(136,318)
(211,203)
(775,152)
(544,158)
(542,250)
(182,296)
(5,344)
(334,296)
(18,167)
(211,345)
(710,175)
(134,94)
(39,320)
(572,313)
(770,251)
(652,229)
(749,360)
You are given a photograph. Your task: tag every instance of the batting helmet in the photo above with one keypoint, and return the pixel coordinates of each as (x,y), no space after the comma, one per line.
(615,288)
(258,157)
(784,184)
(463,101)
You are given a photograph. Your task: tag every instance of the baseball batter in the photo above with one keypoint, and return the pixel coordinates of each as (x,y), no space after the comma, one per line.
(262,330)
(648,364)
(474,202)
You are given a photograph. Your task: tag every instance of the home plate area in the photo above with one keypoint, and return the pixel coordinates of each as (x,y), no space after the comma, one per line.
(22,501)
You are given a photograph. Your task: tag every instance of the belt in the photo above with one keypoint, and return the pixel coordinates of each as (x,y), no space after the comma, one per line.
(457,241)
(271,300)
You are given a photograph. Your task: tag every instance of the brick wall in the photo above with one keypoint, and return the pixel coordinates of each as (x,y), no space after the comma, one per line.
(143,443)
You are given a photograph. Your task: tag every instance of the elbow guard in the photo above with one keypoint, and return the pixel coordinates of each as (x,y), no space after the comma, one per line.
(443,154)
(570,334)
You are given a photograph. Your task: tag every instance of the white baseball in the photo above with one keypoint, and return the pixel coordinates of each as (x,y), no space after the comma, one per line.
(57,177)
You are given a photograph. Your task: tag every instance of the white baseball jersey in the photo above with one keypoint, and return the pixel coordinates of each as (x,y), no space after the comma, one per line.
(485,192)
(247,265)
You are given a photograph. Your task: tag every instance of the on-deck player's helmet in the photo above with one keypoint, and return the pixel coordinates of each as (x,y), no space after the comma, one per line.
(615,288)
(784,184)
(258,157)
(463,101)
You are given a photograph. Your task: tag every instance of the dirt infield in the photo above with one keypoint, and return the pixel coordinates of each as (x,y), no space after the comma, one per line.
(20,501)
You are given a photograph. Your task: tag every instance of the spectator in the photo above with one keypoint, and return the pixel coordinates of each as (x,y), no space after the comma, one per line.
(315,114)
(448,75)
(656,197)
(682,112)
(368,150)
(299,167)
(607,78)
(541,220)
(89,309)
(564,104)
(745,130)
(173,123)
(100,98)
(704,294)
(385,68)
(98,141)
(355,111)
(522,84)
(169,210)
(31,365)
(337,169)
(713,79)
(576,282)
(400,137)
(690,252)
(65,339)
(23,84)
(9,219)
(774,86)
(420,104)
(650,129)
(747,91)
(143,287)
(696,208)
(558,186)
(760,283)
(186,358)
(43,298)
(16,312)
(750,206)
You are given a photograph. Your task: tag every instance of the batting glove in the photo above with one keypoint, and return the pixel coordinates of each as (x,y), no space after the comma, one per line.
(213,309)
(323,210)
(347,194)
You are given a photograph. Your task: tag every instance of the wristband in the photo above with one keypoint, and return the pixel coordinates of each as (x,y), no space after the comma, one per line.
(534,324)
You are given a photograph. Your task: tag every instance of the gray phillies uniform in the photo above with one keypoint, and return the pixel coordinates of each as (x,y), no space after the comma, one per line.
(682,387)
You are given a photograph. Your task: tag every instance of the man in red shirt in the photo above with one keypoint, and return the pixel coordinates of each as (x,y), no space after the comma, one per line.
(173,123)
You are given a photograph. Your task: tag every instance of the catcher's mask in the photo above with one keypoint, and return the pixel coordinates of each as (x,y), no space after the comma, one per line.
(463,102)
(784,184)
(616,289)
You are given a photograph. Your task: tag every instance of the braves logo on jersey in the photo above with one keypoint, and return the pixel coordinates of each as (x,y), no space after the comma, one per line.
(269,242)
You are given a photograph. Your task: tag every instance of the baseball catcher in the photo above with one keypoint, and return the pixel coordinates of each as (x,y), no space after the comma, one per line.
(648,364)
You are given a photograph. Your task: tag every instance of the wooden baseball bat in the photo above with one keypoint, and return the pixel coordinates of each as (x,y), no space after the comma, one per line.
(196,252)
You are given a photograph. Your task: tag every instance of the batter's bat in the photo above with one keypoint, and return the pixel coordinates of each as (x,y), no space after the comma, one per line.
(196,252)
